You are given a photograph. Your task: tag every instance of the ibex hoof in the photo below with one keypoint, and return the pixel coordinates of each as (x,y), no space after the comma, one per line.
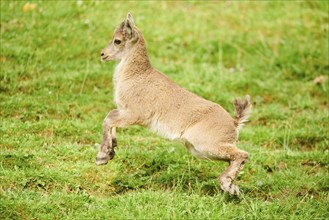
(229,187)
(102,158)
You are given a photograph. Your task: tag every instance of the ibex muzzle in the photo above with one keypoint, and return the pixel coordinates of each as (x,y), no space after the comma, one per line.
(144,96)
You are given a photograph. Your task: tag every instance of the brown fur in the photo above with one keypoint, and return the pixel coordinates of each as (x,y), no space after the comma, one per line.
(242,111)
(144,96)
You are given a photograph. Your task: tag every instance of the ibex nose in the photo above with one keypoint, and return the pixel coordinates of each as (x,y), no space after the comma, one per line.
(102,54)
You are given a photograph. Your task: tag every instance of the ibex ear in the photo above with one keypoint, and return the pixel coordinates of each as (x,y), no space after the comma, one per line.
(128,29)
(130,20)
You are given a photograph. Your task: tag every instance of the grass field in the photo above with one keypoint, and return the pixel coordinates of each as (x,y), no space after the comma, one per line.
(55,92)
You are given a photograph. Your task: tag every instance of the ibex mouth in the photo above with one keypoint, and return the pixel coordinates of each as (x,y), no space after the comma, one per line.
(105,58)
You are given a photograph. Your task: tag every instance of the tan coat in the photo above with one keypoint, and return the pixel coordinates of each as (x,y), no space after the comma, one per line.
(145,96)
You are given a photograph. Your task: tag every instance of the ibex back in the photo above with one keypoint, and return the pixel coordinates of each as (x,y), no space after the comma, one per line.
(146,97)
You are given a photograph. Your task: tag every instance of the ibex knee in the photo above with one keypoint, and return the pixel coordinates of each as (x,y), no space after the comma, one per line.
(106,123)
(244,156)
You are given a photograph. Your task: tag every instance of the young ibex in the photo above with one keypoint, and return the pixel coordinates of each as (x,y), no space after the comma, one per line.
(144,96)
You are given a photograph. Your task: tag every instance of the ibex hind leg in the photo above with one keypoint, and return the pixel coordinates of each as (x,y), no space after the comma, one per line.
(237,158)
(226,152)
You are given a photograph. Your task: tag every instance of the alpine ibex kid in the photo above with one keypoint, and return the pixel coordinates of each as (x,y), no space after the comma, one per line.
(144,96)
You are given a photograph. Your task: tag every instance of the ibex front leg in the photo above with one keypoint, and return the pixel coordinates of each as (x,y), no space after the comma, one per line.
(113,119)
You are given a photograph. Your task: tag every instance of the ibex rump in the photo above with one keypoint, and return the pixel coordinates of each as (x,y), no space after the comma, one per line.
(145,96)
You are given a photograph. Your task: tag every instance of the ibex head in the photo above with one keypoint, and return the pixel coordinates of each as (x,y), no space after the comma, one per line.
(124,38)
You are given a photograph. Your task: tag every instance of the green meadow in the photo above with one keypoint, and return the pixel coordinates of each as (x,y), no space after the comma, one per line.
(55,93)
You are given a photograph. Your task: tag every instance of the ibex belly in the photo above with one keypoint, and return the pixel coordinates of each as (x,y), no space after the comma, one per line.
(164,130)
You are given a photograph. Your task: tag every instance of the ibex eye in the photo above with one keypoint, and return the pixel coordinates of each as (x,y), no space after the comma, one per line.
(117,41)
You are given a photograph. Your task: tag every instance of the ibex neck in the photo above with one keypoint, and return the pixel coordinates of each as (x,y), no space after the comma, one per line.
(137,60)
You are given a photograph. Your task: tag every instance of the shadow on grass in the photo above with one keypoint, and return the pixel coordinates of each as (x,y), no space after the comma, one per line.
(12,161)
(166,175)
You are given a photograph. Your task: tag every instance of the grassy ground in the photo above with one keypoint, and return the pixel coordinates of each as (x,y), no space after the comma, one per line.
(55,92)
